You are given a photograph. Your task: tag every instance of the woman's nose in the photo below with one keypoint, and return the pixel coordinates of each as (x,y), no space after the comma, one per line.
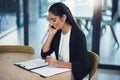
(50,24)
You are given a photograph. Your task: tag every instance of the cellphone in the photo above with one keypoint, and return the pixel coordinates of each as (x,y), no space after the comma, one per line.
(53,27)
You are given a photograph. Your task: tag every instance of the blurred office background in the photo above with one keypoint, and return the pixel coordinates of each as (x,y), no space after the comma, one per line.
(24,22)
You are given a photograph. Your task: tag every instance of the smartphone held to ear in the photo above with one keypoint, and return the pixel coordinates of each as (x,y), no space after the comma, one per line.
(53,27)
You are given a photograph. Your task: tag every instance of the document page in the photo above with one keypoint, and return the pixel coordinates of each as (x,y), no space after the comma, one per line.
(41,67)
(32,64)
(49,71)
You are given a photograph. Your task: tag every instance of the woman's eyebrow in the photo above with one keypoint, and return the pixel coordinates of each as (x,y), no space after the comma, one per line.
(53,18)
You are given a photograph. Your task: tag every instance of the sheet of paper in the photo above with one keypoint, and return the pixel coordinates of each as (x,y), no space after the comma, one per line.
(33,63)
(49,71)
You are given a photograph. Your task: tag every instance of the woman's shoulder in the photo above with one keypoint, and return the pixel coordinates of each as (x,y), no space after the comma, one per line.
(77,31)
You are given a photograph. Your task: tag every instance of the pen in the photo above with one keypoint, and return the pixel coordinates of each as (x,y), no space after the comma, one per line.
(45,61)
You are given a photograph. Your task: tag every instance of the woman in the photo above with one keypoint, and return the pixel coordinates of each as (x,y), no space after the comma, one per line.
(67,41)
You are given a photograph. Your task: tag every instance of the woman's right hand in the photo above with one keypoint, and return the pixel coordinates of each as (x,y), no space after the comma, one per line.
(52,30)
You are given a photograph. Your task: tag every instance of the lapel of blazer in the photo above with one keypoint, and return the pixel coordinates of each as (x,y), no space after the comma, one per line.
(57,40)
(71,43)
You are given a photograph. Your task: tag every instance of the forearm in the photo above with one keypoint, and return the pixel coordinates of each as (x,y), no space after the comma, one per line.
(47,44)
(64,64)
(52,61)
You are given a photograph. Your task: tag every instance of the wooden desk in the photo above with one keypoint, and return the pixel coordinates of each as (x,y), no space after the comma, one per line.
(9,71)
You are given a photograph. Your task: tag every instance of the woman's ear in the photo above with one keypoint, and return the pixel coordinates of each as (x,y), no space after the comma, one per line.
(64,18)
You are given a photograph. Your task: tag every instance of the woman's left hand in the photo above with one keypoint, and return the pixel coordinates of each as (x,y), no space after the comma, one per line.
(52,61)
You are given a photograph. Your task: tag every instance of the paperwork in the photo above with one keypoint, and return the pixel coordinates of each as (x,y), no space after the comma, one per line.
(41,67)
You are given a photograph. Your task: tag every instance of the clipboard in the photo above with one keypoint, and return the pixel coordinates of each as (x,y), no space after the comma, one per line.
(41,67)
(32,64)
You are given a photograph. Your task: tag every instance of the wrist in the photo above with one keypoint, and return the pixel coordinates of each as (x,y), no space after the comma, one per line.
(58,62)
(51,34)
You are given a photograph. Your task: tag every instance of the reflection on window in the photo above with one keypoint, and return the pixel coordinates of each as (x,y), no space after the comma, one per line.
(7,15)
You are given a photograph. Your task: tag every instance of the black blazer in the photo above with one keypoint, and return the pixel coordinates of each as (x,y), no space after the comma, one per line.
(78,52)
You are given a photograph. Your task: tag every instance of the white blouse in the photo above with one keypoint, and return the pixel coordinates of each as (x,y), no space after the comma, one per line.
(64,47)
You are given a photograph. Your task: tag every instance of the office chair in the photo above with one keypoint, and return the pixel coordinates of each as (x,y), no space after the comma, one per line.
(16,48)
(93,63)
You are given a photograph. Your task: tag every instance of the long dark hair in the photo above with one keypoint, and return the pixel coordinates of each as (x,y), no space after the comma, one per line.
(60,9)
